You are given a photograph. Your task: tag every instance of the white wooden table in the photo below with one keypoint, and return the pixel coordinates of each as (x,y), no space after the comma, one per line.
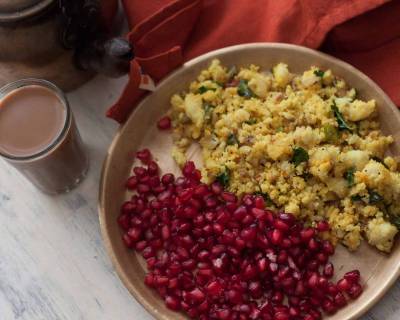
(52,261)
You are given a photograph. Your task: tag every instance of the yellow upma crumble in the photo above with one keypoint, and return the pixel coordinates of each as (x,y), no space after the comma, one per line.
(306,142)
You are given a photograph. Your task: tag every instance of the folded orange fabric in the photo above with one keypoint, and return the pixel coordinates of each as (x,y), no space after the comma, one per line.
(166,33)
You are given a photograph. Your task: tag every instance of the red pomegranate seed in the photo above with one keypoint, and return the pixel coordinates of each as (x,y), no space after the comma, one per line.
(355,291)
(164,123)
(215,256)
(276,237)
(307,234)
(144,155)
(172,303)
(131,183)
(352,276)
(128,240)
(128,207)
(328,248)
(216,188)
(328,306)
(343,284)
(323,226)
(328,270)
(340,300)
(140,171)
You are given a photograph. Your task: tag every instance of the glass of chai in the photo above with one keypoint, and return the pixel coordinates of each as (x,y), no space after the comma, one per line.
(39,137)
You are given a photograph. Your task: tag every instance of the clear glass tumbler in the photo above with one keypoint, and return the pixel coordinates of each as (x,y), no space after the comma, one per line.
(39,136)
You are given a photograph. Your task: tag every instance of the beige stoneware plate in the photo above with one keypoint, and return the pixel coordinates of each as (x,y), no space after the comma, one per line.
(379,271)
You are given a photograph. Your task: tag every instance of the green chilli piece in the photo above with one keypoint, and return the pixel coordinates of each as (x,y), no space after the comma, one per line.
(349,176)
(208,111)
(244,90)
(299,155)
(331,133)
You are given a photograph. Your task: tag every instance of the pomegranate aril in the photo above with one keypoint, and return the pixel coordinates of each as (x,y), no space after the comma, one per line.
(139,171)
(164,123)
(131,183)
(328,306)
(340,300)
(328,270)
(144,155)
(343,284)
(128,207)
(143,188)
(307,234)
(172,303)
(214,288)
(323,226)
(355,291)
(352,276)
(328,248)
(128,241)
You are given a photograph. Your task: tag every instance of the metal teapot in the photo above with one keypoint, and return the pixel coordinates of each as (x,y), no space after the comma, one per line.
(47,39)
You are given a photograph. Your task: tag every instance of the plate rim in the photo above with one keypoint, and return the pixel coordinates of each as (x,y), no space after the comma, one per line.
(106,166)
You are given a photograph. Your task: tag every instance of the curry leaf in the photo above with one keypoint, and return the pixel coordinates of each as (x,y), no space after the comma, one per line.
(319,73)
(204,89)
(299,155)
(374,197)
(251,121)
(244,90)
(342,124)
(224,177)
(232,140)
(356,197)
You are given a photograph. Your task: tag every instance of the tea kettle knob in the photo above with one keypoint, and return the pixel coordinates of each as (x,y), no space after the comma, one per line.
(110,57)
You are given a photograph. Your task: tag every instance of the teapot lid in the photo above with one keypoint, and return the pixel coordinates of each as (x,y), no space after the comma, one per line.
(18,10)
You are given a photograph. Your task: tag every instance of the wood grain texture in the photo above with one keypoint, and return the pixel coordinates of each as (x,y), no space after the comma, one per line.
(52,261)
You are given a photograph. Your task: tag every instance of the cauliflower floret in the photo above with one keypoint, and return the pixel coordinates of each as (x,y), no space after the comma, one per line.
(338,186)
(241,115)
(360,110)
(309,78)
(354,158)
(380,233)
(260,84)
(280,146)
(194,109)
(281,74)
(355,110)
(218,73)
(307,137)
(322,161)
(374,175)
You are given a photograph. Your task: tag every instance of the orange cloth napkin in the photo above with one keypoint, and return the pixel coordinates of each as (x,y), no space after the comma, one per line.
(165,33)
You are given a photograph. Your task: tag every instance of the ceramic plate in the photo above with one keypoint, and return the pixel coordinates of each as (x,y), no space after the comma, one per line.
(379,271)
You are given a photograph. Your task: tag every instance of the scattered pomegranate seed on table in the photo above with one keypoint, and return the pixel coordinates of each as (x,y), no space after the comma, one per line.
(214,256)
